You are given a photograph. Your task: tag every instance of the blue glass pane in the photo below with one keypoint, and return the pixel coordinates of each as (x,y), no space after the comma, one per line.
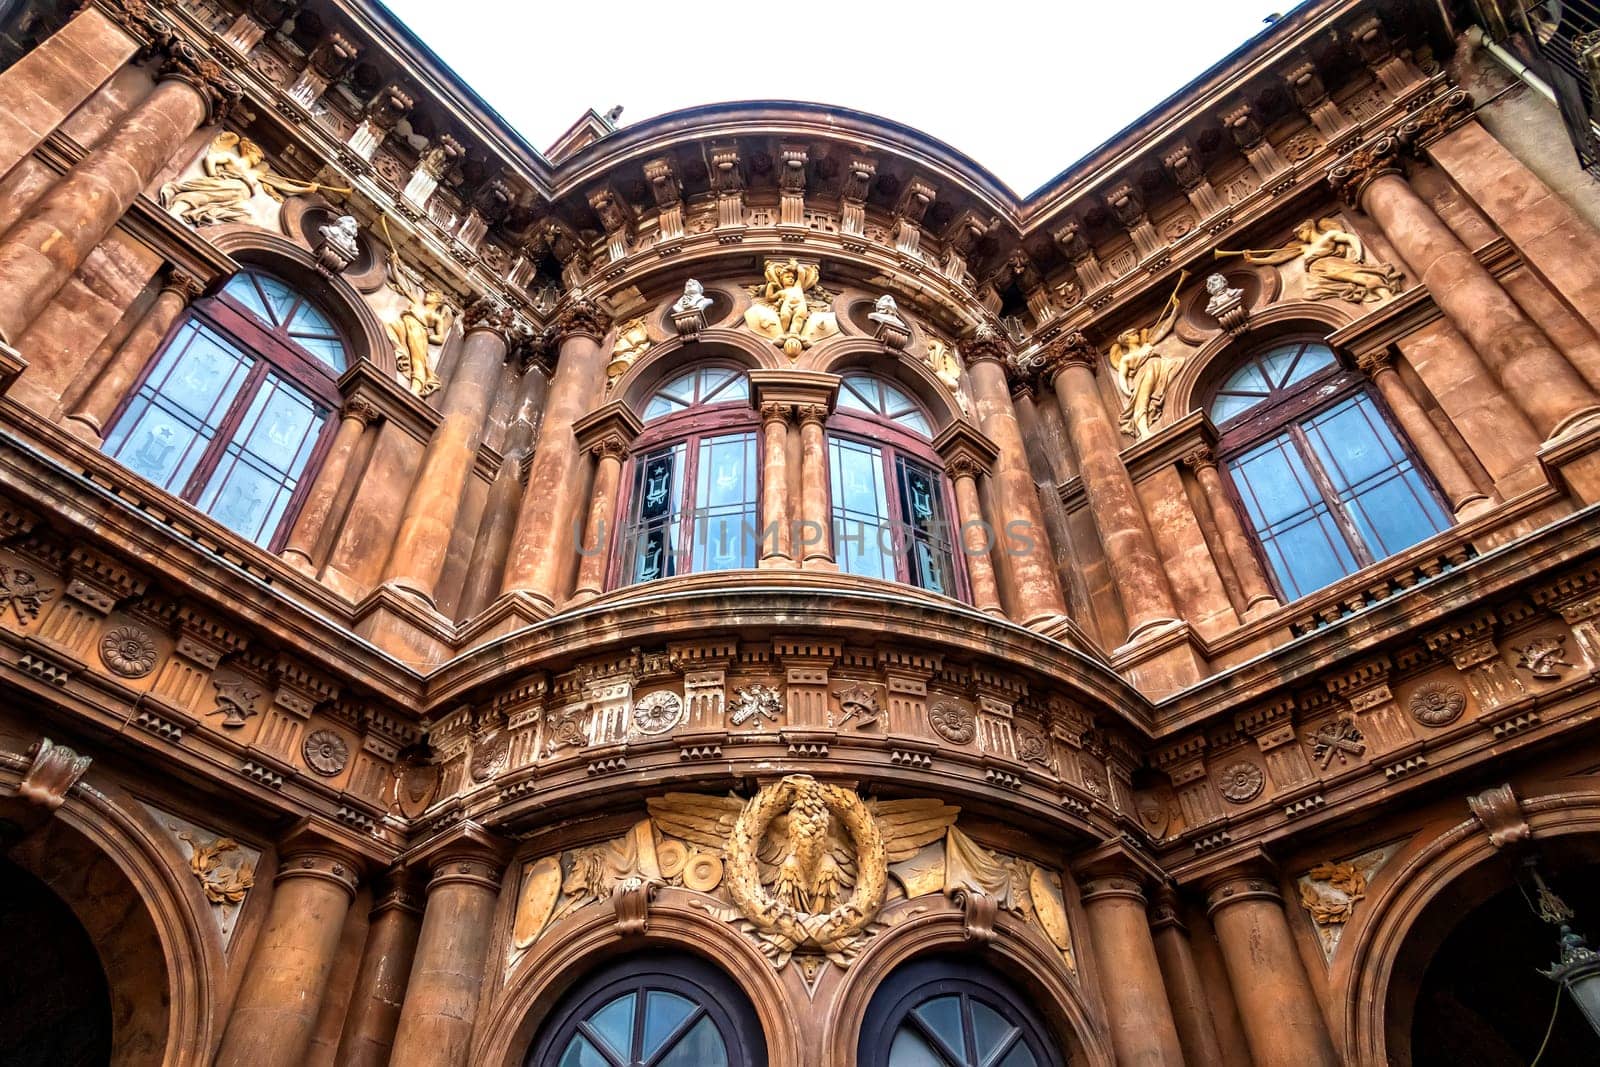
(1226,406)
(702,1046)
(663,1013)
(1297,530)
(942,1016)
(858,393)
(1279,362)
(910,1050)
(242,287)
(990,1031)
(1019,1056)
(861,529)
(329,349)
(651,540)
(1313,358)
(725,526)
(704,385)
(580,1053)
(873,396)
(613,1025)
(260,467)
(280,298)
(164,431)
(1275,483)
(1247,379)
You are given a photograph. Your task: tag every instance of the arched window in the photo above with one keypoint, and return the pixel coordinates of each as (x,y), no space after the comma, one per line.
(946,1013)
(694,492)
(891,515)
(1326,483)
(652,1010)
(230,414)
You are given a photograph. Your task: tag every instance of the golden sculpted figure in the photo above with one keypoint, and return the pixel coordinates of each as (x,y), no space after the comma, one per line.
(421,324)
(1142,373)
(1335,261)
(633,341)
(946,366)
(791,310)
(235,170)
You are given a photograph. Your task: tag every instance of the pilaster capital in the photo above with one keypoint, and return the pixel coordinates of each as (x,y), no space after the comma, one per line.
(309,851)
(1352,176)
(466,853)
(397,890)
(187,64)
(137,18)
(1114,869)
(1436,119)
(608,430)
(1375,362)
(582,317)
(1200,458)
(965,450)
(1164,909)
(812,414)
(777,411)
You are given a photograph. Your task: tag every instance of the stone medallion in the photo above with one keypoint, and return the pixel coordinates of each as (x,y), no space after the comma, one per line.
(657,713)
(128,651)
(1241,782)
(325,752)
(489,757)
(1437,703)
(953,722)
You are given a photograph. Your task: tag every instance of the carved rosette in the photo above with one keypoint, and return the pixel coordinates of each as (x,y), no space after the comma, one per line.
(657,713)
(1241,782)
(1437,703)
(953,722)
(128,651)
(325,752)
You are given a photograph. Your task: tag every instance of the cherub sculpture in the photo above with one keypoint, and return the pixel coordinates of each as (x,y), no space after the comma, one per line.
(416,328)
(1335,262)
(235,170)
(1142,373)
(791,310)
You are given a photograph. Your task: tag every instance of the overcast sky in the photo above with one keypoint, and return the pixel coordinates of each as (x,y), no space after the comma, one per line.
(1025,89)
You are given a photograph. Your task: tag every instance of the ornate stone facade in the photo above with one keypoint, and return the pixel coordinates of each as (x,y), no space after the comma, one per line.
(475,707)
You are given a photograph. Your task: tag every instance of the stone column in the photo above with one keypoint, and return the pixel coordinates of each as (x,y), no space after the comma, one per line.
(1136,568)
(1279,1011)
(487,565)
(540,559)
(967,455)
(1142,1030)
(380,986)
(358,412)
(607,435)
(776,550)
(275,1014)
(1539,379)
(1440,459)
(1259,599)
(1185,990)
(1019,520)
(814,514)
(107,383)
(429,518)
(46,85)
(40,252)
(447,974)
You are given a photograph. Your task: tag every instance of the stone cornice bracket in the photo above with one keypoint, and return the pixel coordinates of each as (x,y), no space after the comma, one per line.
(609,430)
(582,317)
(52,772)
(630,900)
(1500,814)
(1164,909)
(185,63)
(1437,118)
(1351,175)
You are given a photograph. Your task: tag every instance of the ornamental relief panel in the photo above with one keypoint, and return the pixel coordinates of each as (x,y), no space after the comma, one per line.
(222,867)
(803,868)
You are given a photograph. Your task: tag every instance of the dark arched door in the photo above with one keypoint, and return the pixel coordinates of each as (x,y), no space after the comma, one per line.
(951,1013)
(55,1006)
(653,1010)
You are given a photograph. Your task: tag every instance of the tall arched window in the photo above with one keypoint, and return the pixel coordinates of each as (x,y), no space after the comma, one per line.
(693,494)
(1326,483)
(891,515)
(949,1013)
(652,1010)
(230,414)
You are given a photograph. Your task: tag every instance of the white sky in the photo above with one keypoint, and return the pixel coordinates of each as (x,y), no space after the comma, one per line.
(1025,89)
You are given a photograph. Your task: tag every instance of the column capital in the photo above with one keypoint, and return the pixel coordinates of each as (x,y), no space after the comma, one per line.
(1253,878)
(204,75)
(490,315)
(777,411)
(182,284)
(1164,908)
(361,409)
(582,317)
(1200,458)
(309,851)
(965,451)
(1351,176)
(812,414)
(1067,351)
(1375,362)
(467,852)
(397,890)
(987,344)
(1114,869)
(137,18)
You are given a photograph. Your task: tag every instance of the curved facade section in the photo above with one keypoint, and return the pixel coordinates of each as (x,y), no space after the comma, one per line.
(747,588)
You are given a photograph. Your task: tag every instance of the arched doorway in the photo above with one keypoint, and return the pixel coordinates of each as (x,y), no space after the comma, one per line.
(55,1004)
(1481,999)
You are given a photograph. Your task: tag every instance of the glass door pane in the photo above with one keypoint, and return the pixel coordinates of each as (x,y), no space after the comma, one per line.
(861,520)
(652,537)
(260,467)
(1297,530)
(725,503)
(930,561)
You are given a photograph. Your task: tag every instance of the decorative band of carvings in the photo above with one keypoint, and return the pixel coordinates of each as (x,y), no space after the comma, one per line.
(330,866)
(481,873)
(1113,886)
(1237,890)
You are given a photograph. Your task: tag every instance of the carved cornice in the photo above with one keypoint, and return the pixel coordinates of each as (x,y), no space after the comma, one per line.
(186,63)
(1438,118)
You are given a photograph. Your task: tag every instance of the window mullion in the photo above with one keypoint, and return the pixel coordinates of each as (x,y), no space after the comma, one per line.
(1341,516)
(226,428)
